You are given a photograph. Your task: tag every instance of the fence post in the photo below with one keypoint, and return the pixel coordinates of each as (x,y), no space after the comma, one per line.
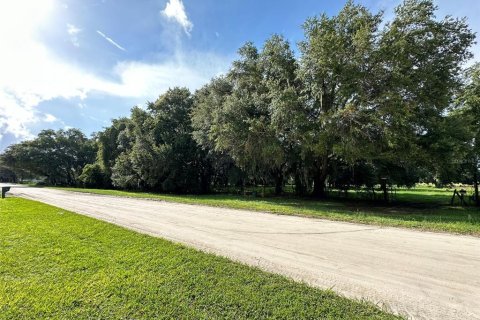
(4,190)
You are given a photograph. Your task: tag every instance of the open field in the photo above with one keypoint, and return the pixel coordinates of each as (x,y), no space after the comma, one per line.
(422,208)
(56,264)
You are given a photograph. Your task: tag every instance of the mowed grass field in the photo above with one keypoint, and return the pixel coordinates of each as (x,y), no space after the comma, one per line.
(56,264)
(418,208)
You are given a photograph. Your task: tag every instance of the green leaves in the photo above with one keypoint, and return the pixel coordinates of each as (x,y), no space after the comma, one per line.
(161,154)
(58,156)
(362,92)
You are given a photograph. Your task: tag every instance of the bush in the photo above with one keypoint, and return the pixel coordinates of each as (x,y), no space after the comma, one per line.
(93,176)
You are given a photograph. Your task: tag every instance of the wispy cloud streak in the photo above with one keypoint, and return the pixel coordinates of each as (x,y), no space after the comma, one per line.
(103,35)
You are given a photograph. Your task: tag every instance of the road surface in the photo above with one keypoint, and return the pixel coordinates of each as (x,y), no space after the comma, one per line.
(420,275)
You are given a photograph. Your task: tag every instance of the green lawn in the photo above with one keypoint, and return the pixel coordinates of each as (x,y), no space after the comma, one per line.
(56,264)
(422,208)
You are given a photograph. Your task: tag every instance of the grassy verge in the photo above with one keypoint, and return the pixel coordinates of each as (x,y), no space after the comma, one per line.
(430,217)
(56,264)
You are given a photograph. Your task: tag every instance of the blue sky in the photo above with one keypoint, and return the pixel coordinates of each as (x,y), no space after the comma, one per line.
(81,63)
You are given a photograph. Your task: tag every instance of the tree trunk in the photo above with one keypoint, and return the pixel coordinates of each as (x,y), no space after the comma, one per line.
(319,190)
(383,184)
(300,187)
(205,178)
(278,182)
(318,186)
(242,186)
(475,183)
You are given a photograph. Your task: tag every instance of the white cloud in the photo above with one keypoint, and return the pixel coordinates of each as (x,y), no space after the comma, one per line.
(26,82)
(31,74)
(138,79)
(49,118)
(18,21)
(73,31)
(175,10)
(14,120)
(110,40)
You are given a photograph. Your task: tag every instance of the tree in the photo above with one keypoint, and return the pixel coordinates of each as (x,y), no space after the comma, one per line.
(379,95)
(57,155)
(123,173)
(16,158)
(239,117)
(366,101)
(7,175)
(421,59)
(93,176)
(286,114)
(207,111)
(158,150)
(244,130)
(206,115)
(186,167)
(110,144)
(246,114)
(470,113)
(338,68)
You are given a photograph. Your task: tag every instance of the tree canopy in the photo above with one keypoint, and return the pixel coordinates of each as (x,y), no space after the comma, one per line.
(363,100)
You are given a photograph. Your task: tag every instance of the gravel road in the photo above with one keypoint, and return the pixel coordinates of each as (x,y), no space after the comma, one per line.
(420,275)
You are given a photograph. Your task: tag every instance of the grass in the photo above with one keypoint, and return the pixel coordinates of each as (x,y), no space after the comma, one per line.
(423,208)
(59,265)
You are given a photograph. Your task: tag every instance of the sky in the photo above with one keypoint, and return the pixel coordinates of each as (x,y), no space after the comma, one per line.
(81,63)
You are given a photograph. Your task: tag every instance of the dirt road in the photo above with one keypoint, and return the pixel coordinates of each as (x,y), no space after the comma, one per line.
(420,275)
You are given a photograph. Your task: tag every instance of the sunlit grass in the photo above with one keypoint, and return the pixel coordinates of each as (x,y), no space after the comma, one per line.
(58,265)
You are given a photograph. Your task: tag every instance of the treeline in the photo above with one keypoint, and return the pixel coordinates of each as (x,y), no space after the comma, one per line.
(363,100)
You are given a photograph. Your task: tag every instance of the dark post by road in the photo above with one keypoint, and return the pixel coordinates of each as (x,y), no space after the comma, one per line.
(5,190)
(475,183)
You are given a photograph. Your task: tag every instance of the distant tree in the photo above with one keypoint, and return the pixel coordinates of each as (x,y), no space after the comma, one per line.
(7,175)
(207,112)
(136,166)
(144,154)
(57,155)
(15,158)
